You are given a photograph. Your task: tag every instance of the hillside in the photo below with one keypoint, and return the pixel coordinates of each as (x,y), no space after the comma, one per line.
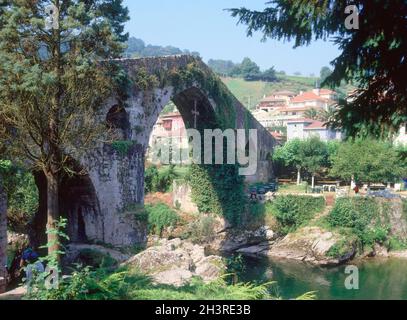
(254,91)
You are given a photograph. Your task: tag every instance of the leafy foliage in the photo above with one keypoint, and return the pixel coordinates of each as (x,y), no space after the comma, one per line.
(361,217)
(122,147)
(160,216)
(159,179)
(218,189)
(368,160)
(125,284)
(137,48)
(202,229)
(22,195)
(292,211)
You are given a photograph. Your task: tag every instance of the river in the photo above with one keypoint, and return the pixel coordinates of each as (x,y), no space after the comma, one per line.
(379,279)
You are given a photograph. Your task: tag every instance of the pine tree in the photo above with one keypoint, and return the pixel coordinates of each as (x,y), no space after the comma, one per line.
(3,237)
(56,69)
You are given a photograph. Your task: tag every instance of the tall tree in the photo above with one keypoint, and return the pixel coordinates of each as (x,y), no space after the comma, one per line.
(325,73)
(289,155)
(313,155)
(373,52)
(368,160)
(3,237)
(56,69)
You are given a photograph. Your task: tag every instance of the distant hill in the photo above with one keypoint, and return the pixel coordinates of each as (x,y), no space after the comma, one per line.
(138,48)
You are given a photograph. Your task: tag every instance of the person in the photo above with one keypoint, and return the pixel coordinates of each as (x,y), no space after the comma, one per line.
(356,189)
(29,261)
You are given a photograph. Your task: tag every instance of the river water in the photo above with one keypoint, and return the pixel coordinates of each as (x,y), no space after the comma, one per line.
(379,279)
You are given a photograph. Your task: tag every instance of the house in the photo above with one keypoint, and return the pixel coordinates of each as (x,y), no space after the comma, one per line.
(401,138)
(276,100)
(311,100)
(169,129)
(306,128)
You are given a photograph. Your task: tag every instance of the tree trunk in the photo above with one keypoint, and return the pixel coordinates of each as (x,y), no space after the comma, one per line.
(52,211)
(3,239)
(298,176)
(313,181)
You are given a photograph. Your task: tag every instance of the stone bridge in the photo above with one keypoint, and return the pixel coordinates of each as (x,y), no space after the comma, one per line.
(97,205)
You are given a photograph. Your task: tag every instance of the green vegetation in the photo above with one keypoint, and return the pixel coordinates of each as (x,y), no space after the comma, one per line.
(159,179)
(359,217)
(201,230)
(255,90)
(293,212)
(311,154)
(122,147)
(125,284)
(137,48)
(22,195)
(160,216)
(341,248)
(363,159)
(218,189)
(51,92)
(368,160)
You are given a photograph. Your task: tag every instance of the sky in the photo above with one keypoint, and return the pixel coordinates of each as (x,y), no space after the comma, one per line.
(204,26)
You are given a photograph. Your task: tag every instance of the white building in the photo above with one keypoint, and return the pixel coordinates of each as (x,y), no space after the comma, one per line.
(401,138)
(306,128)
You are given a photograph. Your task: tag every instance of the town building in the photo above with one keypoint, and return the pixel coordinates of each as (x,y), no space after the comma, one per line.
(401,138)
(306,128)
(169,129)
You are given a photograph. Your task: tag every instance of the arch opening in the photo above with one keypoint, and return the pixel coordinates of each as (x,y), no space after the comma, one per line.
(78,203)
(118,121)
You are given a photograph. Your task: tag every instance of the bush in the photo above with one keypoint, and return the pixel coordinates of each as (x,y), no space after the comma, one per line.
(361,217)
(293,211)
(160,216)
(395,244)
(202,230)
(159,180)
(341,248)
(22,194)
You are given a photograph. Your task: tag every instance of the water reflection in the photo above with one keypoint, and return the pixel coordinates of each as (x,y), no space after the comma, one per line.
(380,279)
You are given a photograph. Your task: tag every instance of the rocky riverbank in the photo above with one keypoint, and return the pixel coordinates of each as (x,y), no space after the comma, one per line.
(176,262)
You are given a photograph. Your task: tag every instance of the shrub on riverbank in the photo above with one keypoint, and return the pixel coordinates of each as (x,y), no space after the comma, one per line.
(292,211)
(360,217)
(160,216)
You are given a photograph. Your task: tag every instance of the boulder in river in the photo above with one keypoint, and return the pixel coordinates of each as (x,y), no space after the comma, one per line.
(175,262)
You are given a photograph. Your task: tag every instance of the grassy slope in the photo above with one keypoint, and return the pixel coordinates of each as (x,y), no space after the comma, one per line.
(258,89)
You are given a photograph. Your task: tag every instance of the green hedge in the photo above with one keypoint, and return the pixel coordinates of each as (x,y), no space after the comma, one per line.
(160,216)
(293,211)
(360,216)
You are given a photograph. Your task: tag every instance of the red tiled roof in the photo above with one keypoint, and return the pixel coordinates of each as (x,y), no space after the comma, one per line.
(307,96)
(316,125)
